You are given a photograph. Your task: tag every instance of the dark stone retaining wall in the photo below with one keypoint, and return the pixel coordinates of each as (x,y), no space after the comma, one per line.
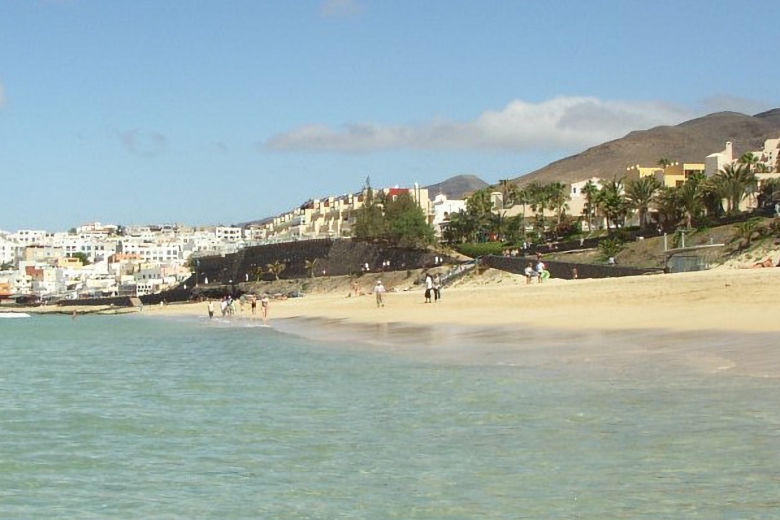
(563,269)
(335,257)
(225,273)
(119,301)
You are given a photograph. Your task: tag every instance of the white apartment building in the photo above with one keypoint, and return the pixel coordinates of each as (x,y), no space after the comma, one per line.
(715,162)
(228,233)
(10,251)
(94,248)
(29,236)
(152,251)
(442,209)
(96,228)
(768,154)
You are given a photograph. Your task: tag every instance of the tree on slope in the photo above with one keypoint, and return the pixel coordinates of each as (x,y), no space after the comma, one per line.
(734,183)
(276,268)
(369,219)
(405,222)
(613,203)
(641,193)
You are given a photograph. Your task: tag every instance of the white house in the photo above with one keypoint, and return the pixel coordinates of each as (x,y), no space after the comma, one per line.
(442,209)
(714,162)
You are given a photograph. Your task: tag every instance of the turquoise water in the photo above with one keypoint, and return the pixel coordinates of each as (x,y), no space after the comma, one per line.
(105,417)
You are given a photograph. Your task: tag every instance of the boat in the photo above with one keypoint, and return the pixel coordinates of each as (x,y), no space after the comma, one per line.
(14,315)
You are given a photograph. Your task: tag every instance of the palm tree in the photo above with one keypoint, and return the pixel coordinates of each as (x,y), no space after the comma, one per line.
(537,199)
(309,265)
(557,196)
(711,195)
(276,268)
(668,203)
(591,191)
(506,187)
(749,160)
(689,197)
(612,202)
(747,230)
(641,193)
(522,196)
(734,182)
(663,162)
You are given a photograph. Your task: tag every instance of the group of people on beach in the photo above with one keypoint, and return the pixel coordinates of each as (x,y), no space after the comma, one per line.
(432,290)
(432,287)
(227,305)
(539,272)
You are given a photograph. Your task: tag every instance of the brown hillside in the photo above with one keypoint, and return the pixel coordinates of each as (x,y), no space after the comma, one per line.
(456,187)
(690,141)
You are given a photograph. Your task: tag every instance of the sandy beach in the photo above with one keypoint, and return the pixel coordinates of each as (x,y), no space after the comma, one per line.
(733,300)
(723,320)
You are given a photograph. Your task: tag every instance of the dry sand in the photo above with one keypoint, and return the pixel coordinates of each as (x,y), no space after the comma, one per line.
(723,299)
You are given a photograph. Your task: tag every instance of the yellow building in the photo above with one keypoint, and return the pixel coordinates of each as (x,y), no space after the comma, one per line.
(675,174)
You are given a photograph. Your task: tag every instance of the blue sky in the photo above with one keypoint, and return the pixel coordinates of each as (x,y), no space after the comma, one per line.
(208,112)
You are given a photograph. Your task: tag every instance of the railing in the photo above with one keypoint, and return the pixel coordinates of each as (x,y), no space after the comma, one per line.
(459,272)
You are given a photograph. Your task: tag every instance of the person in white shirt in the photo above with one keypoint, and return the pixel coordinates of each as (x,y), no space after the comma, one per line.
(379,290)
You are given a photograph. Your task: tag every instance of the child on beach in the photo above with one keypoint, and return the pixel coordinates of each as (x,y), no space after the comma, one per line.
(529,273)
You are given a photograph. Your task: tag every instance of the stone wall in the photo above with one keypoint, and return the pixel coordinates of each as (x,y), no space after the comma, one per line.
(563,270)
(333,258)
(119,301)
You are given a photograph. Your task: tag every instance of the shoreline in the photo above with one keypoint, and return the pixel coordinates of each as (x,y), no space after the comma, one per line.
(721,320)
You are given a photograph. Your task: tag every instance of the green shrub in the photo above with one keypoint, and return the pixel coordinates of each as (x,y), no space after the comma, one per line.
(610,247)
(474,250)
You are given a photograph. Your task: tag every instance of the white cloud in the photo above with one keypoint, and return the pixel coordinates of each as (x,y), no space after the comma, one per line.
(143,143)
(340,7)
(555,124)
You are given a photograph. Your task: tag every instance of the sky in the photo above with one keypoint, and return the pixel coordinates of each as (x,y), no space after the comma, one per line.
(226,111)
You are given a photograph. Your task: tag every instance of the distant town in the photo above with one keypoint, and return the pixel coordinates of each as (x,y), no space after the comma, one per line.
(100,260)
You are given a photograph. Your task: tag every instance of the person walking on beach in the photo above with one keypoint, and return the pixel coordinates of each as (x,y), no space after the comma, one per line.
(428,287)
(254,303)
(379,290)
(223,305)
(437,288)
(265,302)
(211,309)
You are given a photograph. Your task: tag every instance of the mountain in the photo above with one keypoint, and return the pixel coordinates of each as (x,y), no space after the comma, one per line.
(690,141)
(456,187)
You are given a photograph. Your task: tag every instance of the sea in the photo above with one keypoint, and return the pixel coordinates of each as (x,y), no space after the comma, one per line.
(138,417)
